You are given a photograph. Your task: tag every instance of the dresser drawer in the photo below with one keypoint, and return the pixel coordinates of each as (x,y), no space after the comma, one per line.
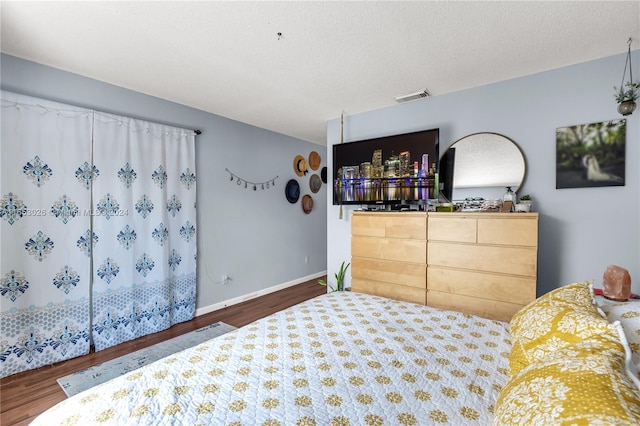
(517,232)
(487,308)
(507,260)
(462,229)
(390,225)
(368,225)
(392,291)
(505,288)
(389,249)
(400,273)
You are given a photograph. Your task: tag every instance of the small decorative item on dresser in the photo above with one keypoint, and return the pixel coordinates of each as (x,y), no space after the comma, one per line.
(472,204)
(524,205)
(445,207)
(509,200)
(489,206)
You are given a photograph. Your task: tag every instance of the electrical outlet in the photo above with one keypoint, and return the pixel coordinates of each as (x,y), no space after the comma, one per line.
(306,259)
(225,279)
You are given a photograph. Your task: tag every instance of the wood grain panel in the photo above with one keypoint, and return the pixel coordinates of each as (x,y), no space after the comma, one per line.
(412,227)
(400,273)
(390,225)
(512,231)
(455,229)
(492,309)
(370,225)
(389,249)
(507,260)
(392,291)
(505,288)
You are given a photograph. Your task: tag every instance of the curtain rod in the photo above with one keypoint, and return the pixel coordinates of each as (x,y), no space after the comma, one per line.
(196,131)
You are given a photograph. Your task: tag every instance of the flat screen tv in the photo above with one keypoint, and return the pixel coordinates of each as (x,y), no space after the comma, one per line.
(390,170)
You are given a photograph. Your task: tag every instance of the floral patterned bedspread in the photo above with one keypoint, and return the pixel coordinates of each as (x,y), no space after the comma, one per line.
(342,358)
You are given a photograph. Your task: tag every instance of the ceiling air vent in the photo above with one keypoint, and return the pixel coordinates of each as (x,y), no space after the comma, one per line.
(413,96)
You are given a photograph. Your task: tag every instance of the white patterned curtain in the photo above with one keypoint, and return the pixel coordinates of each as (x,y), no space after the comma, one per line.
(97,230)
(45,232)
(144,222)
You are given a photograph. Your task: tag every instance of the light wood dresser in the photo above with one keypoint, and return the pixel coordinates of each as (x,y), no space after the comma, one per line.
(479,263)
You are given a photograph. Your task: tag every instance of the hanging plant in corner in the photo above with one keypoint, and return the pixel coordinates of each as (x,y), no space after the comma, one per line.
(339,278)
(627,95)
(627,98)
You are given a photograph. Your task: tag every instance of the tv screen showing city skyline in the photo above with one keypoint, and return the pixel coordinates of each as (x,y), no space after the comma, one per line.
(389,169)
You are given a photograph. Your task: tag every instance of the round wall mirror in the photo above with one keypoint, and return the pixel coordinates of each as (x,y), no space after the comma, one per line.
(485,160)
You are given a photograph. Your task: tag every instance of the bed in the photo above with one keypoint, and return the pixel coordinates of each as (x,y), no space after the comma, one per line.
(346,358)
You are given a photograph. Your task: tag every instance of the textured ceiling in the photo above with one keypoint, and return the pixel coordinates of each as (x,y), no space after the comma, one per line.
(332,57)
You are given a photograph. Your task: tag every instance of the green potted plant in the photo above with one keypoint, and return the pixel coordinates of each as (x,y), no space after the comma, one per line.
(524,205)
(627,98)
(339,278)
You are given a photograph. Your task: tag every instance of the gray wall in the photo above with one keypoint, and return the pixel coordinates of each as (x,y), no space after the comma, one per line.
(581,231)
(257,238)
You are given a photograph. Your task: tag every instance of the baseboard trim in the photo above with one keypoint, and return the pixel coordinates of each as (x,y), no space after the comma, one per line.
(244,298)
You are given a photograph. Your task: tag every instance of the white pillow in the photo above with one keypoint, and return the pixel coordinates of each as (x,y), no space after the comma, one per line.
(628,314)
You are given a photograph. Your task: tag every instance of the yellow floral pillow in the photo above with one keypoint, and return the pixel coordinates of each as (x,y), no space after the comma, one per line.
(581,384)
(556,320)
(580,293)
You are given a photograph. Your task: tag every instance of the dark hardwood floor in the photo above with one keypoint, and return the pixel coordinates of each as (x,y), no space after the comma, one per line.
(25,395)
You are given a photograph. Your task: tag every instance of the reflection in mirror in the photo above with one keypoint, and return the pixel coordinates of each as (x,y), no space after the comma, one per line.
(486,163)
